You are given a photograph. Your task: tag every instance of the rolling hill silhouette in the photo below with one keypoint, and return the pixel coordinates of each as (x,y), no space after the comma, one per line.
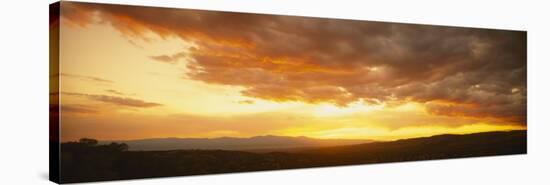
(258,143)
(88,161)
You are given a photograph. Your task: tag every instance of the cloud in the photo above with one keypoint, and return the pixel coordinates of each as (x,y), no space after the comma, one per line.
(110,125)
(84,77)
(79,109)
(115,92)
(453,71)
(246,102)
(170,59)
(123,101)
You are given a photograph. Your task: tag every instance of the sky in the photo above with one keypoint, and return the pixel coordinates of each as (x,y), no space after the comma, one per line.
(130,72)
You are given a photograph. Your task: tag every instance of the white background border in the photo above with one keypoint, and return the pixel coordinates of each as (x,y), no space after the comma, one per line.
(24,91)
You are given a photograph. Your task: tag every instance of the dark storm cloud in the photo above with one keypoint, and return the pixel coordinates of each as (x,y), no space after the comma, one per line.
(453,71)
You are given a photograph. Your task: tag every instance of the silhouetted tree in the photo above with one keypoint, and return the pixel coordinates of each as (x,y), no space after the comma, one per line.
(88,141)
(118,146)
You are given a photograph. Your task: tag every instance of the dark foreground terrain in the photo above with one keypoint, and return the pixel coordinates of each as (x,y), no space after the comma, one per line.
(87,161)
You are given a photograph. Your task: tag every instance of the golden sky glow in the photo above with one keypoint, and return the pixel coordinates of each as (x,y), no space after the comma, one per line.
(134,72)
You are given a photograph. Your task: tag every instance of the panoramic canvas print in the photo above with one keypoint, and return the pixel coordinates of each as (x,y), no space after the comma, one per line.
(141,92)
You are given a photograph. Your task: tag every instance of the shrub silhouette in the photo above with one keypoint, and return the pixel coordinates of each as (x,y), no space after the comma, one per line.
(88,141)
(85,160)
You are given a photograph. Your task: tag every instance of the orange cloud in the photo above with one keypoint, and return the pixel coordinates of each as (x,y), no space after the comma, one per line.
(286,58)
(124,101)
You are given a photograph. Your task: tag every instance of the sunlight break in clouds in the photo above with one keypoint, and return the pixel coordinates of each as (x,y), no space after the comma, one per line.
(249,74)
